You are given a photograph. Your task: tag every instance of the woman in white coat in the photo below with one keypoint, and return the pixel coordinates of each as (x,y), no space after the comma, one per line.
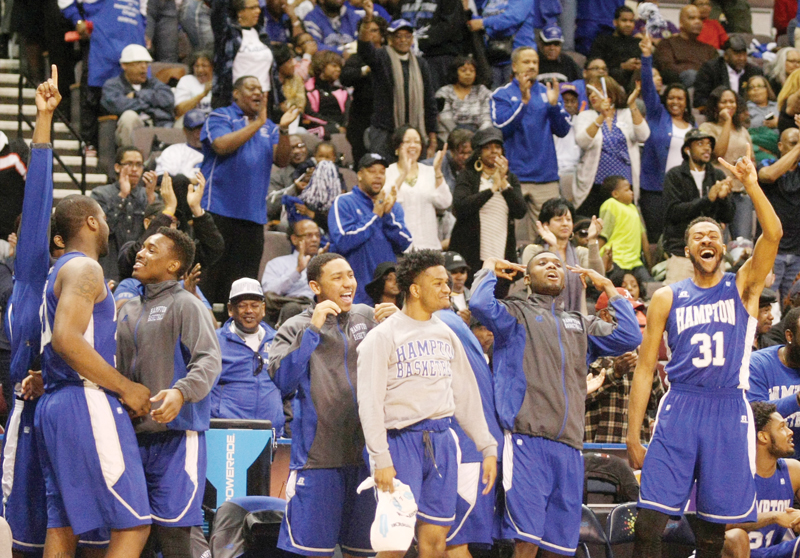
(422,191)
(609,135)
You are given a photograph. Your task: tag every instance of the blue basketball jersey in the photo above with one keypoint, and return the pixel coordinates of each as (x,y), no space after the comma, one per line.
(710,335)
(101,333)
(774,494)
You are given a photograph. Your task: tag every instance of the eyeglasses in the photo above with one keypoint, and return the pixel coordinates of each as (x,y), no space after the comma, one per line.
(309,235)
(298,146)
(757,86)
(132,165)
(598,68)
(258,363)
(583,233)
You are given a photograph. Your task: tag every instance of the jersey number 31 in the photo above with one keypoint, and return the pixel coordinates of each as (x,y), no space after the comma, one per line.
(706,358)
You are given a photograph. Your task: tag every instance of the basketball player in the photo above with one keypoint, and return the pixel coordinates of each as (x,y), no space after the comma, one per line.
(704,423)
(90,459)
(777,482)
(413,376)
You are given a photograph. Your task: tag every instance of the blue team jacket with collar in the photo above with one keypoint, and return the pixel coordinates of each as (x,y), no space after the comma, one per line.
(365,239)
(242,390)
(528,129)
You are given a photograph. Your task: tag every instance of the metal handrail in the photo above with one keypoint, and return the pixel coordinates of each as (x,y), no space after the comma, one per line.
(58,116)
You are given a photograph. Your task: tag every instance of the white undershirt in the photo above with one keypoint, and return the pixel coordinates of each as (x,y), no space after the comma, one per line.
(252,340)
(459,301)
(699,176)
(253,59)
(675,155)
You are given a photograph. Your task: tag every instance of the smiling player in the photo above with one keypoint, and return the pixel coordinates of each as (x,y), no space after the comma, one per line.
(704,423)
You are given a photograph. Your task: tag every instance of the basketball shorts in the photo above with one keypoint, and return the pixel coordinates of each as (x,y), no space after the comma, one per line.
(474,521)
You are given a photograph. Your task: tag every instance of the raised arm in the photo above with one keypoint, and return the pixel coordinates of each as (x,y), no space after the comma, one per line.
(652,102)
(79,286)
(483,304)
(657,316)
(751,276)
(773,172)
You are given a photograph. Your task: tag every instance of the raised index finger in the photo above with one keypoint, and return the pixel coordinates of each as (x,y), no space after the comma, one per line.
(54,74)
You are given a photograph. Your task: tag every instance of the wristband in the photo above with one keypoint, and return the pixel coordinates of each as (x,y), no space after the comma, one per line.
(283,131)
(296,23)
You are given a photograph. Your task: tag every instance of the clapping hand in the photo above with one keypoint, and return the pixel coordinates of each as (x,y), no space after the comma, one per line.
(553,92)
(546,234)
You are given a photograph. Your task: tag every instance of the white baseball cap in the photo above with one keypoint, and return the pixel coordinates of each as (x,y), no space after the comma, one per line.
(246,286)
(134,53)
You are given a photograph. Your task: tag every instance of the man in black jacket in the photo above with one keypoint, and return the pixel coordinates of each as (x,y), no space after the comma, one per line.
(693,189)
(731,70)
(420,114)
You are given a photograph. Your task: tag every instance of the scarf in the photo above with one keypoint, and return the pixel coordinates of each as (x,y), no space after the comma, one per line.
(416,102)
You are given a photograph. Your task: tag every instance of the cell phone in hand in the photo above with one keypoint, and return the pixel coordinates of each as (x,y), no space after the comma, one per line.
(769,116)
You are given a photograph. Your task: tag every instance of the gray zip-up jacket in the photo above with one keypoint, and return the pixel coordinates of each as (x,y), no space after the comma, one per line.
(320,364)
(540,357)
(165,339)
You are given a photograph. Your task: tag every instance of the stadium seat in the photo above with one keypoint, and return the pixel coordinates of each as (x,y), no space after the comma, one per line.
(276,244)
(241,522)
(143,138)
(592,533)
(623,517)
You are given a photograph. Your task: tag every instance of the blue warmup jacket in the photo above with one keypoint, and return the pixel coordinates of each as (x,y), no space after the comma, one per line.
(541,356)
(117,24)
(365,239)
(329,38)
(31,265)
(528,130)
(470,453)
(242,390)
(656,148)
(503,18)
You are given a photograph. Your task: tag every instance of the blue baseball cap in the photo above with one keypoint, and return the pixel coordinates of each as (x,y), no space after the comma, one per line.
(551,34)
(399,24)
(194,119)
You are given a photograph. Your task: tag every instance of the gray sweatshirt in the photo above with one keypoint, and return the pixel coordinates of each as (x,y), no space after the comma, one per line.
(410,371)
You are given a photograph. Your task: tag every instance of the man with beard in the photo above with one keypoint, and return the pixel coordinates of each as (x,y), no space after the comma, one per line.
(90,459)
(710,320)
(540,357)
(413,379)
(775,373)
(693,189)
(777,482)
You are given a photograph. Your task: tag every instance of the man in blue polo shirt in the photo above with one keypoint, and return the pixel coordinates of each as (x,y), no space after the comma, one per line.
(529,114)
(366,226)
(239,147)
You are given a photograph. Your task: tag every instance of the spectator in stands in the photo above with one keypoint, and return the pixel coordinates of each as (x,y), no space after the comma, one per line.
(332,24)
(458,269)
(286,275)
(398,100)
(694,189)
(244,389)
(789,102)
(737,15)
(116,26)
(463,103)
(764,320)
(567,150)
(731,70)
(281,178)
(304,48)
(680,57)
(421,189)
(441,32)
(529,114)
(184,158)
(763,111)
(607,406)
(380,11)
(621,49)
(287,88)
(138,100)
(366,226)
(195,19)
(724,121)
(459,149)
(194,90)
(664,31)
(239,141)
(781,184)
(713,33)
(787,61)
(161,30)
(486,202)
(593,68)
(13,170)
(124,203)
(594,17)
(383,287)
(328,102)
(623,230)
(553,63)
(777,335)
(609,135)
(670,119)
(241,48)
(555,231)
(281,21)
(358,75)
